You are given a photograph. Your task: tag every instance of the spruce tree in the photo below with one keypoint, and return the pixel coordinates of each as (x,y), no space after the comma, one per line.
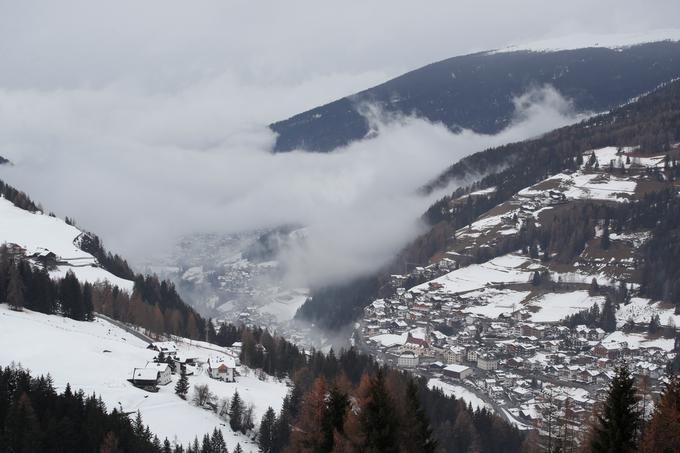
(378,420)
(619,420)
(605,242)
(182,386)
(238,448)
(608,316)
(217,442)
(265,438)
(236,412)
(15,289)
(337,403)
(417,434)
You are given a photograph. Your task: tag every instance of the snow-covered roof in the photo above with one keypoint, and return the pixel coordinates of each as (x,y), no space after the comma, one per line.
(145,374)
(455,368)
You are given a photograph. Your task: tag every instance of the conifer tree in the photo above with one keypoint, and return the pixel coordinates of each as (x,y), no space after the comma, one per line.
(238,448)
(182,386)
(217,442)
(15,289)
(337,403)
(417,435)
(236,412)
(619,420)
(265,437)
(662,435)
(378,421)
(608,316)
(605,242)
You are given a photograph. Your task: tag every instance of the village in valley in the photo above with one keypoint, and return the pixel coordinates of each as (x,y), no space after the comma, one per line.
(534,341)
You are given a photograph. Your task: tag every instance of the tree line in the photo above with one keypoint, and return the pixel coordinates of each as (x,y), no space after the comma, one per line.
(35,418)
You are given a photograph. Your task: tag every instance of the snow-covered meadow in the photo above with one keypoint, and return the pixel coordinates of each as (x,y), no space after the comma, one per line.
(37,233)
(98,357)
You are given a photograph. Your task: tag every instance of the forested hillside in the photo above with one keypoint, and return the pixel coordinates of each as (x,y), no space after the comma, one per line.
(476,91)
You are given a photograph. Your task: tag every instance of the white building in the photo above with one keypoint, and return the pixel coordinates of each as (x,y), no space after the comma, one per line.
(457,371)
(487,362)
(455,354)
(407,360)
(222,368)
(164,373)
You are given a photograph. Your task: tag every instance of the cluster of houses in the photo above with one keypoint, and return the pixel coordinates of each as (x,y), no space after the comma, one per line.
(159,372)
(508,361)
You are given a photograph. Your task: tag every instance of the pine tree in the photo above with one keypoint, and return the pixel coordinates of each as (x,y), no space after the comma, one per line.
(238,448)
(217,442)
(654,324)
(236,412)
(417,435)
(265,438)
(619,420)
(182,386)
(337,403)
(15,289)
(608,316)
(167,448)
(605,242)
(662,435)
(379,424)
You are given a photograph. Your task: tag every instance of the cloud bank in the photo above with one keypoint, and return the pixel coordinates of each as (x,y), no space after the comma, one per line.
(146,120)
(143,171)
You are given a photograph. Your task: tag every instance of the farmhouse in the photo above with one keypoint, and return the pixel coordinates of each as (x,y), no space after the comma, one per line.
(146,378)
(222,368)
(164,375)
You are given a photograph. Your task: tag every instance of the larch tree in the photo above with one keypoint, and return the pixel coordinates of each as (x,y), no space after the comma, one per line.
(663,431)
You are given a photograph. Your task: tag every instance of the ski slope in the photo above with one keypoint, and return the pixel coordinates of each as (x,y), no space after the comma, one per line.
(99,357)
(37,232)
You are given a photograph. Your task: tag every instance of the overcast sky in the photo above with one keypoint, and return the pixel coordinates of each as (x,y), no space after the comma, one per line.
(147,119)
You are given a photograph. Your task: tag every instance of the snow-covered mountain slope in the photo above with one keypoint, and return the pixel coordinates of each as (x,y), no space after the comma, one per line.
(39,234)
(99,357)
(586,40)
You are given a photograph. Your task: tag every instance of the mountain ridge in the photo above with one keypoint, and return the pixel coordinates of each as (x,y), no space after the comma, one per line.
(476,91)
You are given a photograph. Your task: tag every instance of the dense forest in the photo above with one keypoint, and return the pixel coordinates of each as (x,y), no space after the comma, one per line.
(652,122)
(35,418)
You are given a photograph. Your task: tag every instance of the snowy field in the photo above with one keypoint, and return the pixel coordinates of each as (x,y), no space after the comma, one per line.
(636,340)
(74,352)
(641,310)
(586,186)
(504,269)
(37,233)
(460,392)
(557,306)
(494,302)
